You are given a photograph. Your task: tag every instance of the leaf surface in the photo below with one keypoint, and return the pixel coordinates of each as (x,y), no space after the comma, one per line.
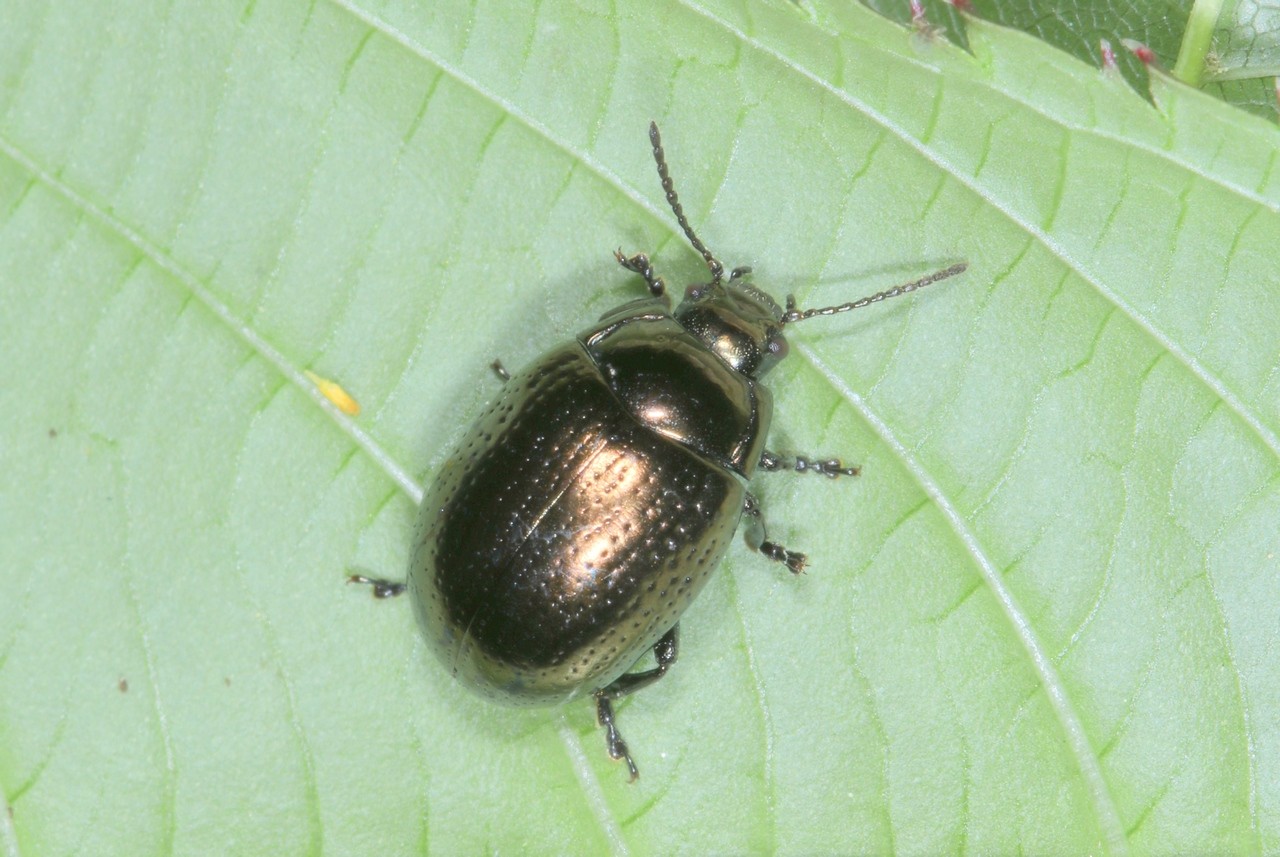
(1043,619)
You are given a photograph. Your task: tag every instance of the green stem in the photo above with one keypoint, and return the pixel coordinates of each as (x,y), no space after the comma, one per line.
(1196,40)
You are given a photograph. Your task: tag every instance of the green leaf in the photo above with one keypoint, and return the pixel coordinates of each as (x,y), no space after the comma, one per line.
(1245,61)
(1247,40)
(1043,620)
(1227,47)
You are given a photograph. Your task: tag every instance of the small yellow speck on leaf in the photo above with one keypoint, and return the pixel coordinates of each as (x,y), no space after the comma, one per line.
(334,392)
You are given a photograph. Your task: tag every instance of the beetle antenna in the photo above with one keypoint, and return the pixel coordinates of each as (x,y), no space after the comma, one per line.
(793,314)
(717,268)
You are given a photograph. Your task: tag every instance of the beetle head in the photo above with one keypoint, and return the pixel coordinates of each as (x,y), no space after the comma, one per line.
(738,322)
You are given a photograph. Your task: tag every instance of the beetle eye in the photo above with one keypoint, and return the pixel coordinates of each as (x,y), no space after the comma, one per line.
(693,292)
(778,347)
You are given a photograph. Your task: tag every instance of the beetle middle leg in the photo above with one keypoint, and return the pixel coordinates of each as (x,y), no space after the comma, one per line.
(665,652)
(758,538)
(381,588)
(829,467)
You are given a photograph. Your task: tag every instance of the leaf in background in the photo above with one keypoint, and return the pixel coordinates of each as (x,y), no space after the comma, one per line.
(1078,28)
(1234,38)
(1247,40)
(1042,620)
(1246,56)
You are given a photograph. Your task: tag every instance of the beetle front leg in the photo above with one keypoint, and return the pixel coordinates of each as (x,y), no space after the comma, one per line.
(639,264)
(501,371)
(829,467)
(758,538)
(665,652)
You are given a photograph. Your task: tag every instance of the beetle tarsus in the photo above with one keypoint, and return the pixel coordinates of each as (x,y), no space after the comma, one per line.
(793,560)
(758,538)
(639,264)
(613,738)
(381,588)
(829,467)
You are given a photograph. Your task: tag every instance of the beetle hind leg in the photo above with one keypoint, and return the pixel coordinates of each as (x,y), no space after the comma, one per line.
(613,739)
(665,652)
(758,539)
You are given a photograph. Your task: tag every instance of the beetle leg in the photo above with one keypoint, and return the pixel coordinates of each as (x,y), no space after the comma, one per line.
(665,652)
(639,264)
(613,739)
(758,538)
(381,588)
(501,371)
(829,467)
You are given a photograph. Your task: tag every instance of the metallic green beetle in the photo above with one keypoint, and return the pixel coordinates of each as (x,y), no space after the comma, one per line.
(591,502)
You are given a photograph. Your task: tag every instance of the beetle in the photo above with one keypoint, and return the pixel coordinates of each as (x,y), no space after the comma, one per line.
(588,506)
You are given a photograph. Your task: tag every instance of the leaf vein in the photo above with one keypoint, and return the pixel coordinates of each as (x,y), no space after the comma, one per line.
(198,291)
(1051,682)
